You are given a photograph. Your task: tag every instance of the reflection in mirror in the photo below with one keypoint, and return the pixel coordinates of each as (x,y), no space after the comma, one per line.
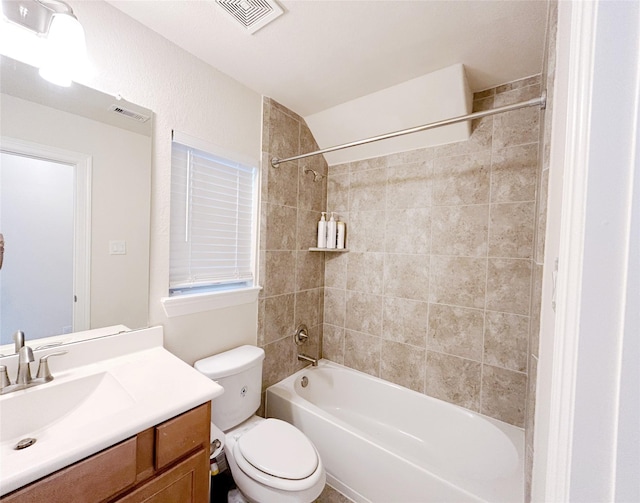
(75,173)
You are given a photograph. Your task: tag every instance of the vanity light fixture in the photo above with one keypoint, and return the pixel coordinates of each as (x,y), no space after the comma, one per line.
(62,49)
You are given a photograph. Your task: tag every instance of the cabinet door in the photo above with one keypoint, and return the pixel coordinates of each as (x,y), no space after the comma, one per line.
(187,482)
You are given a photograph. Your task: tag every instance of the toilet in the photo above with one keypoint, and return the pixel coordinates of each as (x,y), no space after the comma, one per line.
(271,460)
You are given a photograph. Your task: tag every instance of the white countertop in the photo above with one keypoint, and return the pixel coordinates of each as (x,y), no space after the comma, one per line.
(152,386)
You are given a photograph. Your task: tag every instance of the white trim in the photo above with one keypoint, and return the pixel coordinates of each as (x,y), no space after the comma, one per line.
(182,305)
(82,218)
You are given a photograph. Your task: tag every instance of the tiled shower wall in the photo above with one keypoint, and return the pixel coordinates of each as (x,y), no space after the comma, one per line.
(435,292)
(292,277)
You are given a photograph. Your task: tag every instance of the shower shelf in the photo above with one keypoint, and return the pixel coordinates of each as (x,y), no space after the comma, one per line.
(330,250)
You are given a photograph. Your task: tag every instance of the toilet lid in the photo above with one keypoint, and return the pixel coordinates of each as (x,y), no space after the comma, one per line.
(279,449)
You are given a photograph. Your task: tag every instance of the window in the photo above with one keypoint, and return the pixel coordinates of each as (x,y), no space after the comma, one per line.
(213,224)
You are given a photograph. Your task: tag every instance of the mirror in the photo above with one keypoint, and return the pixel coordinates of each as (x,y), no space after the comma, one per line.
(75,179)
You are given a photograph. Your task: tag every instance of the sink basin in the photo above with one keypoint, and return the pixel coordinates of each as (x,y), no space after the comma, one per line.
(53,407)
(104,391)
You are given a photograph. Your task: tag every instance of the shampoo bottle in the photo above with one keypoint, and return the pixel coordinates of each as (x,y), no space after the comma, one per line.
(331,232)
(341,234)
(322,231)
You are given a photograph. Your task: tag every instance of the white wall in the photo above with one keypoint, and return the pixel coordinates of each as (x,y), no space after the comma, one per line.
(587,439)
(192,97)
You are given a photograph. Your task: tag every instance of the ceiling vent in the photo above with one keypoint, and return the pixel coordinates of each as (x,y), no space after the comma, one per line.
(129,113)
(251,14)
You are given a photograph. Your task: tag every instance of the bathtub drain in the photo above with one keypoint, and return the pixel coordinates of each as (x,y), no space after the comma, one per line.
(304,381)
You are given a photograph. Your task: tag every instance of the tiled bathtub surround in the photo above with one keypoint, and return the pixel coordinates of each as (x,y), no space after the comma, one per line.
(435,293)
(292,277)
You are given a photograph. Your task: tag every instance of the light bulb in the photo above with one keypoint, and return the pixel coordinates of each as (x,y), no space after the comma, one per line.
(65,52)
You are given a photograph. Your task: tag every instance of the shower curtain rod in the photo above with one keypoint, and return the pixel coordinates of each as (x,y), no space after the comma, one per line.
(541,102)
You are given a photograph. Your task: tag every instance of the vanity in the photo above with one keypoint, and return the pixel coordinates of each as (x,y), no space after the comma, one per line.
(123,420)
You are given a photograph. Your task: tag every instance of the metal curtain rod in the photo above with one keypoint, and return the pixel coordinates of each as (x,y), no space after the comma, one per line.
(541,102)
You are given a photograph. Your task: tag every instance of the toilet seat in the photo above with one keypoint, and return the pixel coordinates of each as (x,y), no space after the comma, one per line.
(277,454)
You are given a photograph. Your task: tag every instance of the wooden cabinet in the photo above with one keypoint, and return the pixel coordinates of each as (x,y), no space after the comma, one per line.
(168,463)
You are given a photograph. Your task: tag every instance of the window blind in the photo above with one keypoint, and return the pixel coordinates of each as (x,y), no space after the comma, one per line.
(212,220)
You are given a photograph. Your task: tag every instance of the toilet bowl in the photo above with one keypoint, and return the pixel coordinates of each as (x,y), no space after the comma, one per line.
(271,461)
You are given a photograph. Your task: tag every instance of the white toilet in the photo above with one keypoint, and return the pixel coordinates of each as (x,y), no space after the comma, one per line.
(270,460)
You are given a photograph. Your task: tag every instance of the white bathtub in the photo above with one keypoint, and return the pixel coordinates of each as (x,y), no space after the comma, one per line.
(383,443)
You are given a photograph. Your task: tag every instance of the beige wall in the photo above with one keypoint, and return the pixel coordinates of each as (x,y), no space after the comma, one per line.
(435,291)
(292,277)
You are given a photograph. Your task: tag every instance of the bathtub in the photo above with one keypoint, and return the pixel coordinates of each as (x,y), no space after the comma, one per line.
(383,443)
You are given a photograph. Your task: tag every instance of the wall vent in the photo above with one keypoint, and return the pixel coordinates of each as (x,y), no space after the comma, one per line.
(129,113)
(251,14)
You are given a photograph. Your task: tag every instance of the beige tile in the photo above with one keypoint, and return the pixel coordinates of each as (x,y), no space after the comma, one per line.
(261,320)
(408,231)
(279,317)
(335,270)
(362,352)
(405,321)
(518,95)
(334,306)
(307,229)
(339,169)
(480,140)
(279,362)
(541,223)
(363,313)
(518,84)
(409,186)
(530,411)
(406,276)
(456,331)
(367,190)
(536,305)
(452,379)
(307,307)
(365,272)
(460,230)
(516,128)
(365,231)
(338,192)
(287,111)
(462,179)
(511,230)
(514,174)
(503,394)
(410,157)
(281,227)
(506,340)
(484,94)
(403,364)
(509,285)
(368,164)
(482,104)
(458,281)
(311,193)
(278,278)
(333,343)
(309,270)
(283,184)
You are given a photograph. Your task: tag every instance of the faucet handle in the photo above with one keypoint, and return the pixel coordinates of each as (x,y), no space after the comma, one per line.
(43,366)
(4,377)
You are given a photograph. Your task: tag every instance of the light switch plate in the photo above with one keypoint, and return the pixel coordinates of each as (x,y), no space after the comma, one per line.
(117,247)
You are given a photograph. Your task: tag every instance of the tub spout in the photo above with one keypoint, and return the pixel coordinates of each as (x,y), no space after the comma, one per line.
(305,358)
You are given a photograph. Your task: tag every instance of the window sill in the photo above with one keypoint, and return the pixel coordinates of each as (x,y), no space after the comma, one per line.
(197,303)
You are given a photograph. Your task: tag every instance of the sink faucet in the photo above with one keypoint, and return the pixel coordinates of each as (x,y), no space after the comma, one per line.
(23,378)
(25,357)
(18,340)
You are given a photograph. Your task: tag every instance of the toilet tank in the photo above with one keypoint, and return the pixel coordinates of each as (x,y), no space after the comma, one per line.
(239,372)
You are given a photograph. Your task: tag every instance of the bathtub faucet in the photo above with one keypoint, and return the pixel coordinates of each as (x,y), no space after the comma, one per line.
(305,358)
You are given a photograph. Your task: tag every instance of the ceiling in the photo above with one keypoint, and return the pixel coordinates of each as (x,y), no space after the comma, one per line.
(321,53)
